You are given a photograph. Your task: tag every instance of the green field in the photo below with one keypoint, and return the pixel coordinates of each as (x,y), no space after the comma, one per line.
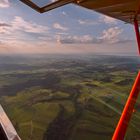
(68,97)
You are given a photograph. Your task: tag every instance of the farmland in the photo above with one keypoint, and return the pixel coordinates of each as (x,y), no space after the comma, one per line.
(68,97)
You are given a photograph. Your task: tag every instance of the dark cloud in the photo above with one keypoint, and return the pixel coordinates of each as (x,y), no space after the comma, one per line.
(5,25)
(80,41)
(92,40)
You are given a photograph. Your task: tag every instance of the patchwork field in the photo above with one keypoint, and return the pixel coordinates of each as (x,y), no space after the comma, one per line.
(68,97)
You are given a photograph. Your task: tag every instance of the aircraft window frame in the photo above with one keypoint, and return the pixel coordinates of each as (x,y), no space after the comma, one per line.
(47,7)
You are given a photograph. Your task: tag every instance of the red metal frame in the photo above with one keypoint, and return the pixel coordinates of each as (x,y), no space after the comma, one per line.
(136,25)
(122,126)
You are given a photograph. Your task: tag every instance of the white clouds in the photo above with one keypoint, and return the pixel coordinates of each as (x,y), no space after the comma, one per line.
(84,39)
(64,13)
(76,30)
(108,36)
(4,28)
(4,3)
(87,22)
(107,20)
(111,35)
(59,27)
(17,33)
(20,24)
(101,20)
(53,0)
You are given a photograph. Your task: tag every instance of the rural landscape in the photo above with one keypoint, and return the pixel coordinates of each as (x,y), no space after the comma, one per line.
(68,97)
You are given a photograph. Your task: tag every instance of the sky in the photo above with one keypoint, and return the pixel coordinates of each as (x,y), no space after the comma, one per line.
(69,29)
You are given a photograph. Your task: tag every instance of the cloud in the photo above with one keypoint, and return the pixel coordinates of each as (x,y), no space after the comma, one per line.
(102,19)
(108,36)
(64,13)
(4,3)
(62,33)
(107,20)
(85,39)
(18,24)
(4,28)
(59,27)
(87,22)
(4,25)
(22,25)
(53,0)
(111,35)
